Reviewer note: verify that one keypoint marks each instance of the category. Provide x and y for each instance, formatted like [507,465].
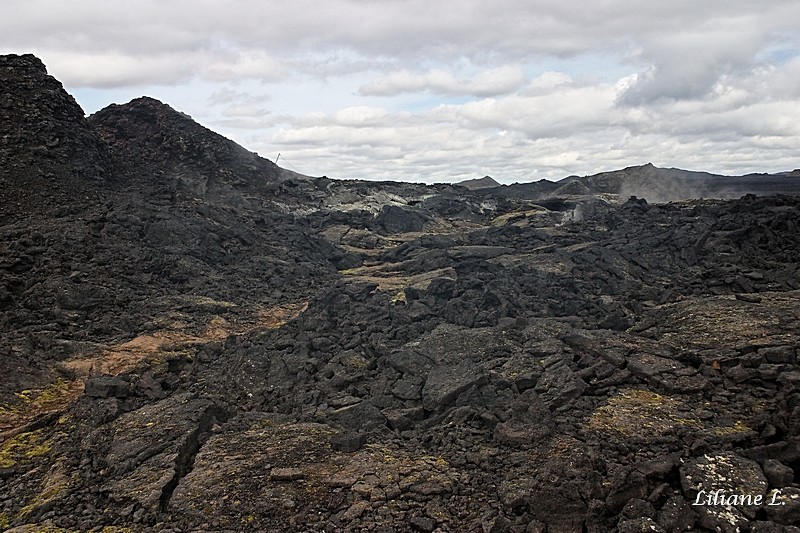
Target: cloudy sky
[445,90]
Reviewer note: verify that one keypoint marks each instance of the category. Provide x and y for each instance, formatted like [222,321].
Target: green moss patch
[640,413]
[23,447]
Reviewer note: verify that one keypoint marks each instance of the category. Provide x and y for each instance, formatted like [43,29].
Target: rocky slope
[155,143]
[41,168]
[196,340]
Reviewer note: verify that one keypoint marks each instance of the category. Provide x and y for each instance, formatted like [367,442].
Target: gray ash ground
[194,339]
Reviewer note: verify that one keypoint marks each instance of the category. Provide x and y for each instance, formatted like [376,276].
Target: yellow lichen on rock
[736,428]
[640,413]
[36,402]
[24,446]
[41,528]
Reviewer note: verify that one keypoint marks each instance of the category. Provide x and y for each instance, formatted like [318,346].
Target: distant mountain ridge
[668,184]
[486,182]
[654,184]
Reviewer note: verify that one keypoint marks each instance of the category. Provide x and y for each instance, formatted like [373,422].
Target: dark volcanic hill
[152,141]
[95,248]
[672,184]
[195,340]
[47,149]
[651,183]
[486,182]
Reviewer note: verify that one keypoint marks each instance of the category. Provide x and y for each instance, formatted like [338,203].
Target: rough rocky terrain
[194,339]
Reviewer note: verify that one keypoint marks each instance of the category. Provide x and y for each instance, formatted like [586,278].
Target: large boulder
[395,219]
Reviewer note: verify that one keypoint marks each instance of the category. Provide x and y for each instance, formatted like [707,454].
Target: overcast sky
[441,90]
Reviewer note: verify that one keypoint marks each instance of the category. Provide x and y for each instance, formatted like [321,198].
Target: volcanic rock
[48,150]
[195,339]
[486,182]
[107,387]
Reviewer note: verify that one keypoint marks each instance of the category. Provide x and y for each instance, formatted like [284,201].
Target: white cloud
[105,70]
[228,95]
[247,64]
[415,89]
[360,116]
[548,82]
[501,80]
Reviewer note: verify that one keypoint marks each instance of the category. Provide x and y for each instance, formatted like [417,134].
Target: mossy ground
[24,447]
[31,403]
[49,494]
[640,413]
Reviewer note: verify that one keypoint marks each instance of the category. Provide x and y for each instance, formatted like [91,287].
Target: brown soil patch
[123,357]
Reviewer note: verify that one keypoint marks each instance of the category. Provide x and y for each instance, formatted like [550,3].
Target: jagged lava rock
[47,148]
